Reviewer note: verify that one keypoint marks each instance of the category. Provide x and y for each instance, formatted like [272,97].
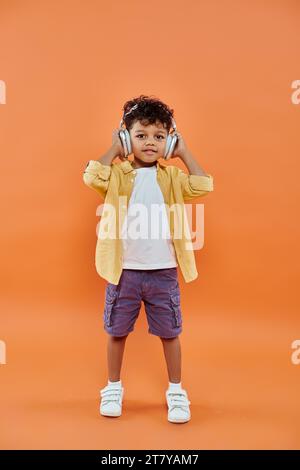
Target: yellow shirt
[114,183]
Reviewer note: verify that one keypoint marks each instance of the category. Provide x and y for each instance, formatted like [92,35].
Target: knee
[168,339]
[118,338]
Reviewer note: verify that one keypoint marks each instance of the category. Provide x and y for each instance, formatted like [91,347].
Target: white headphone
[126,142]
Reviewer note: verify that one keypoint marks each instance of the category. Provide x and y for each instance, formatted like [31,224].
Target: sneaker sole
[103,413]
[182,420]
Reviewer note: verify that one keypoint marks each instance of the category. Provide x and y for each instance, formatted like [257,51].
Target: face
[145,138]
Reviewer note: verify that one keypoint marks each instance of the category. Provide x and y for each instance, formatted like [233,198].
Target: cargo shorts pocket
[111,294]
[176,309]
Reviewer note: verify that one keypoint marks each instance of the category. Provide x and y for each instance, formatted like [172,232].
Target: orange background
[226,68]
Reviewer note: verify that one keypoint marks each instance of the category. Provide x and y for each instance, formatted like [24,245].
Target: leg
[172,351]
[177,398]
[115,350]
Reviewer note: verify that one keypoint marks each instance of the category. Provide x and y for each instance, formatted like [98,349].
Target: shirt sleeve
[193,186]
[96,176]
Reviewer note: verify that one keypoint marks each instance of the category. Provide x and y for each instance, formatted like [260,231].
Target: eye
[141,135]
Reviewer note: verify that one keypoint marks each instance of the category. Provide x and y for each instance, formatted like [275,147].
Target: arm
[98,172]
[197,183]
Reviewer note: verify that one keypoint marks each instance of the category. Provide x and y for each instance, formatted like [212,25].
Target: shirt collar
[127,166]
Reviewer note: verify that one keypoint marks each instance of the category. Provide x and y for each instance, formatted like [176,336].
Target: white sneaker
[178,406]
[111,400]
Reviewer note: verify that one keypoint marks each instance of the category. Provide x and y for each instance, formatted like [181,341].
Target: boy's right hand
[117,144]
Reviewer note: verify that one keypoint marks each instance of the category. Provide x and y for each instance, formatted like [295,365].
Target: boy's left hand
[180,147]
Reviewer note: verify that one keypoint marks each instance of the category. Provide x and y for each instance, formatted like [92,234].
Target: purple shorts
[159,290]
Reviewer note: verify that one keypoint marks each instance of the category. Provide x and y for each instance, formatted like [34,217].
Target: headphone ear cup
[125,139]
[170,145]
[128,142]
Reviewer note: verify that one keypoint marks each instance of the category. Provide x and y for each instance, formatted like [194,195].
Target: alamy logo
[2,352]
[2,92]
[295,97]
[295,357]
[152,223]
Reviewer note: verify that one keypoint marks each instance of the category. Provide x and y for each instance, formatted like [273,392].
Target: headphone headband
[135,106]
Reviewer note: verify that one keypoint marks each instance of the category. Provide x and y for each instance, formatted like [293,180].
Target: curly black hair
[149,109]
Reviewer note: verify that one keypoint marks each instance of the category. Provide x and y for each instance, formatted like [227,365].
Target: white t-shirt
[146,238]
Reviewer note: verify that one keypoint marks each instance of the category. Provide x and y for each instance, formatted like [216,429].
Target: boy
[144,268]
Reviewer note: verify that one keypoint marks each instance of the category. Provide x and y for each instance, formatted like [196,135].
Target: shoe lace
[178,400]
[109,394]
